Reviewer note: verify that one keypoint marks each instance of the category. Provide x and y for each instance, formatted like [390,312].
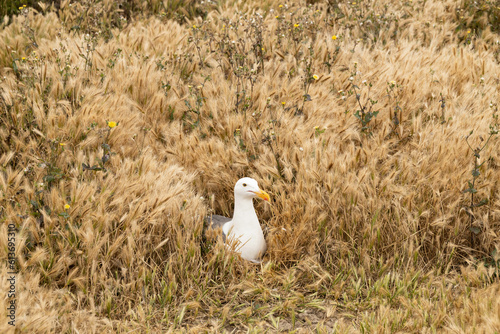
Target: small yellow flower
[277,16]
[62,144]
[316,127]
[24,6]
[112,124]
[468,31]
[315,77]
[262,49]
[334,37]
[393,82]
[23,58]
[20,8]
[194,26]
[67,206]
[283,103]
[280,6]
[296,25]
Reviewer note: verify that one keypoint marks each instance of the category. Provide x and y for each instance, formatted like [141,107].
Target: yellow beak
[262,194]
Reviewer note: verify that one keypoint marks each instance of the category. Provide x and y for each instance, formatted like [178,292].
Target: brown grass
[369,229]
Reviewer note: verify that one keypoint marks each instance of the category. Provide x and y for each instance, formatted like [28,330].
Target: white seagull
[244,230]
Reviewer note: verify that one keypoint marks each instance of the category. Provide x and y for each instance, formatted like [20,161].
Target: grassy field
[373,125]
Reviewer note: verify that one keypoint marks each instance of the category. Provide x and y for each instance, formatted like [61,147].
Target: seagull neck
[243,209]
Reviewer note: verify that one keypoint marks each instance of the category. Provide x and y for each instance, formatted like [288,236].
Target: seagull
[243,230]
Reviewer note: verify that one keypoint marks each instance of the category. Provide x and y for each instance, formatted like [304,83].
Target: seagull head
[248,188]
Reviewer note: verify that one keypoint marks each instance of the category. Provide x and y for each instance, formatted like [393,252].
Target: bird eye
[244,184]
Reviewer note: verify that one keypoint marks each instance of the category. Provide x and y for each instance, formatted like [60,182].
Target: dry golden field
[372,124]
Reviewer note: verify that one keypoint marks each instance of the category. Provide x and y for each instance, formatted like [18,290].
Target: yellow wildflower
[277,16]
[112,124]
[67,206]
[194,26]
[283,103]
[316,127]
[334,37]
[296,25]
[468,31]
[23,58]
[315,77]
[280,6]
[62,144]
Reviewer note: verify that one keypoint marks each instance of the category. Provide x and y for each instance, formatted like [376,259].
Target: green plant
[53,172]
[443,106]
[365,113]
[90,42]
[194,104]
[309,78]
[476,172]
[394,91]
[270,137]
[100,166]
[64,63]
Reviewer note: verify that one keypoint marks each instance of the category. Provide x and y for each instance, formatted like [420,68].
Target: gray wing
[215,222]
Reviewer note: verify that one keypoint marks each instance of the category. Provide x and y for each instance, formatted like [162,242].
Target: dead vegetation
[366,122]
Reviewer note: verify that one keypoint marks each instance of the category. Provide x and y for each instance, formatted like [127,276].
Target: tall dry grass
[369,228]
